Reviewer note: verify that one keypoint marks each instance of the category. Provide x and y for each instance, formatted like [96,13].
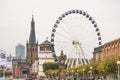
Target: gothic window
[33,49]
[36,49]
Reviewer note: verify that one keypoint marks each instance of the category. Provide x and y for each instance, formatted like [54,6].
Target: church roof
[46,42]
[32,38]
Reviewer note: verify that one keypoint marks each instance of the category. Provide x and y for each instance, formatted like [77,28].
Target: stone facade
[32,53]
[20,69]
[32,46]
[45,55]
[108,50]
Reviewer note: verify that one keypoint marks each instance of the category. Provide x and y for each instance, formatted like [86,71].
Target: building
[3,54]
[32,45]
[5,61]
[97,53]
[108,50]
[20,69]
[35,66]
[20,51]
[45,55]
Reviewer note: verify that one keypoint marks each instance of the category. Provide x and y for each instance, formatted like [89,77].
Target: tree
[8,73]
[101,67]
[1,73]
[50,66]
[111,66]
[34,73]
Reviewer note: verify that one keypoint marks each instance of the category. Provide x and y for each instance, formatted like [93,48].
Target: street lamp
[83,72]
[118,63]
[67,73]
[91,71]
[72,72]
[77,73]
[91,67]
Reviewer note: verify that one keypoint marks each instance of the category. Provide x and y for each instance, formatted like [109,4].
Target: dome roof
[46,42]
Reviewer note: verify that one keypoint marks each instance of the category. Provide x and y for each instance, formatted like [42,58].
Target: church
[37,54]
[32,46]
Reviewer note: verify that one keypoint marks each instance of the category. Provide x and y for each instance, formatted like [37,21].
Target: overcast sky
[15,18]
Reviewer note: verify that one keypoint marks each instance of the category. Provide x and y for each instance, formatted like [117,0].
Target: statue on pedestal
[61,60]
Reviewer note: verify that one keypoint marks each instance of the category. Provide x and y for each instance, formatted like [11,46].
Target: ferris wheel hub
[76,42]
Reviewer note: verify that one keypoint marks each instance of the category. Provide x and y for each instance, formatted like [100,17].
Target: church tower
[32,45]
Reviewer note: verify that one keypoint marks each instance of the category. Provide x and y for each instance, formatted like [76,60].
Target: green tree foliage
[50,66]
[1,73]
[34,73]
[52,72]
[99,68]
[111,65]
[7,73]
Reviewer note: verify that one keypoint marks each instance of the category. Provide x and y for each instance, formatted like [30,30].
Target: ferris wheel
[77,34]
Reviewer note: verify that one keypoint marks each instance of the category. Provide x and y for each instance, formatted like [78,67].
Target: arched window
[33,49]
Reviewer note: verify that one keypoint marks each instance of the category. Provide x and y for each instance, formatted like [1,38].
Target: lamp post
[72,72]
[118,63]
[77,73]
[91,72]
[83,72]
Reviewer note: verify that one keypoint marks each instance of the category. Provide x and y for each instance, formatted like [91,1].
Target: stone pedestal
[61,60]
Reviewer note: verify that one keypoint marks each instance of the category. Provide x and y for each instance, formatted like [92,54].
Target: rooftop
[46,42]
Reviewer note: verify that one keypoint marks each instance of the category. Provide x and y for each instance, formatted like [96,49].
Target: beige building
[45,55]
[108,50]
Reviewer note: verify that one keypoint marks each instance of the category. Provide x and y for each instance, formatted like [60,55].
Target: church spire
[32,38]
[32,17]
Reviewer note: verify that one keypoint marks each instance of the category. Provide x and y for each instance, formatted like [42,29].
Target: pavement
[9,79]
[18,79]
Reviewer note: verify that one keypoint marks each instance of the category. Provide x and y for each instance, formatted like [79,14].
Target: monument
[61,60]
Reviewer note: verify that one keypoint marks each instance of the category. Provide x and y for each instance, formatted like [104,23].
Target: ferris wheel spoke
[83,54]
[69,26]
[80,56]
[88,45]
[71,52]
[63,42]
[66,30]
[63,36]
[87,52]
